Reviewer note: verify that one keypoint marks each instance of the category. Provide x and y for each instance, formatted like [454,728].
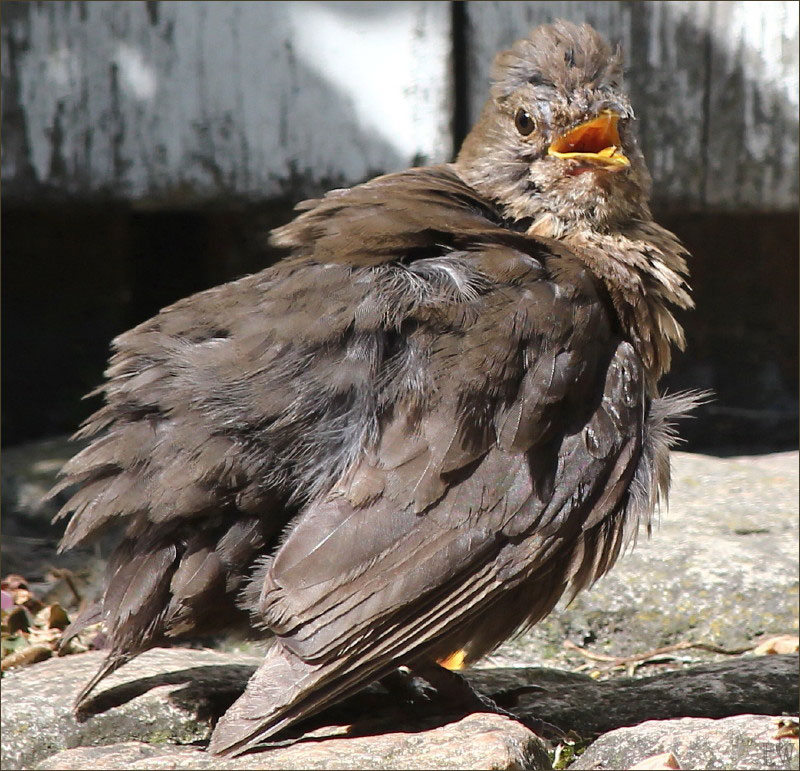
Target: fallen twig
[614,662]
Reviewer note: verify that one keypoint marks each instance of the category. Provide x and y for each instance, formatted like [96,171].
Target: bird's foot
[408,687]
[454,689]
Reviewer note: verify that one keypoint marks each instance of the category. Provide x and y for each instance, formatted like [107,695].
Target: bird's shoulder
[398,216]
[418,244]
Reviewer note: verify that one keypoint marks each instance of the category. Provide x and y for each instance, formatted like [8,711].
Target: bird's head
[554,141]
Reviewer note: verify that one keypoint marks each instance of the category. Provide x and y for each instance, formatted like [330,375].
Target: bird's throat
[643,268]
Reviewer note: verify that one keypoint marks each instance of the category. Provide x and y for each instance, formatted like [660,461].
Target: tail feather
[286,689]
[265,706]
[91,614]
[283,690]
[113,662]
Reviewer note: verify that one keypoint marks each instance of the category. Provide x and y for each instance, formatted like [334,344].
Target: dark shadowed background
[148,147]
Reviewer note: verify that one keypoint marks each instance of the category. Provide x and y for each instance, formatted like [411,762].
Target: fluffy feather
[436,416]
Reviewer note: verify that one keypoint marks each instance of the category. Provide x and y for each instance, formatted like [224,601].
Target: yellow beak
[596,141]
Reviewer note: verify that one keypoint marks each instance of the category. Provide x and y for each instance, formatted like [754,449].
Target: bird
[438,414]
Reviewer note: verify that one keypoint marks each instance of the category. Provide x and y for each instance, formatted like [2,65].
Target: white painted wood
[753,105]
[714,84]
[173,101]
[178,101]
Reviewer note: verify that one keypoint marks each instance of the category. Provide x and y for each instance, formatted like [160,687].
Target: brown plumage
[437,415]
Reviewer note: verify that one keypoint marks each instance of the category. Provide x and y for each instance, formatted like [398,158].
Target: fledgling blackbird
[410,437]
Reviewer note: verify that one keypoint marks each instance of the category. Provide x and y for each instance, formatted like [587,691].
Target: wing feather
[435,409]
[456,516]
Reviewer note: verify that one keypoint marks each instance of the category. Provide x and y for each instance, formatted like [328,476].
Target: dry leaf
[11,643]
[26,598]
[16,621]
[787,728]
[782,643]
[40,635]
[666,760]
[54,617]
[13,581]
[29,655]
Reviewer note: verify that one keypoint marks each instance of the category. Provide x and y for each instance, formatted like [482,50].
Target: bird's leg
[407,686]
[454,689]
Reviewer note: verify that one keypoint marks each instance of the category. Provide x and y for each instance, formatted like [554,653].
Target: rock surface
[157,698]
[764,685]
[721,569]
[474,742]
[169,697]
[740,742]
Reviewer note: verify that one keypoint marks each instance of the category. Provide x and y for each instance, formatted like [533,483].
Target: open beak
[596,141]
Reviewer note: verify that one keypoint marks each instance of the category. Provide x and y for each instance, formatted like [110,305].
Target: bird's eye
[524,122]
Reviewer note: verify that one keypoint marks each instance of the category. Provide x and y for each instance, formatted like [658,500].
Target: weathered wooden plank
[753,106]
[715,86]
[187,101]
